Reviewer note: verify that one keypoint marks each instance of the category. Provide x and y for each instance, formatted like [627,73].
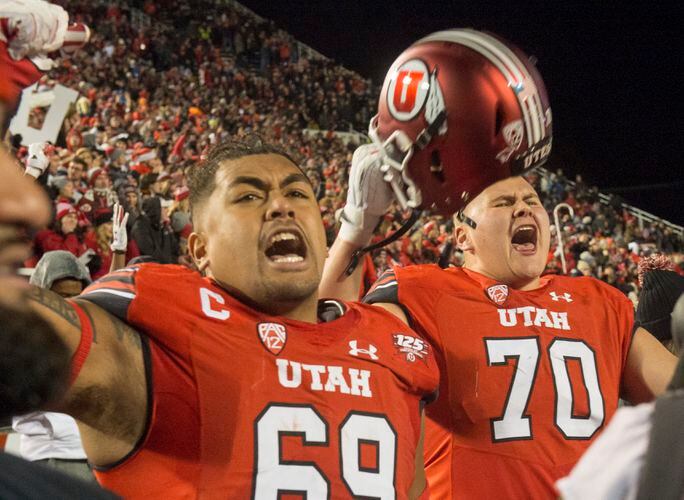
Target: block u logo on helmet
[408,89]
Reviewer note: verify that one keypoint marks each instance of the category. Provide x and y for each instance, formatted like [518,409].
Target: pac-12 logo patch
[273,336]
[411,347]
[498,294]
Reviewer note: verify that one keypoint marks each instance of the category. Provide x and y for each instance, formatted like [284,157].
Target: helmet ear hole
[436,166]
[498,119]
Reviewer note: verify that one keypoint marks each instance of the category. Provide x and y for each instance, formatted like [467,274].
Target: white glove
[38,28]
[36,161]
[368,197]
[119,233]
[86,256]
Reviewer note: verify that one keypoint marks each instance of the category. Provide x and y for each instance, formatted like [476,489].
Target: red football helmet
[458,111]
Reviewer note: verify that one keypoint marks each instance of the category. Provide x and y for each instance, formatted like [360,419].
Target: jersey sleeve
[385,289]
[416,290]
[114,292]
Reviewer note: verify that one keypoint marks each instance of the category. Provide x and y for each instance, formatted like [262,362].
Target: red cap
[181,193]
[141,168]
[163,176]
[93,174]
[64,209]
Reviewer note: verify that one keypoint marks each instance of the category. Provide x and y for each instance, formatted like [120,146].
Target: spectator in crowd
[65,234]
[75,173]
[64,189]
[100,240]
[130,200]
[62,273]
[153,235]
[660,289]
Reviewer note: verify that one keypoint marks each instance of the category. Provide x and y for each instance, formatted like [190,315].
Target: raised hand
[119,233]
[37,161]
[368,197]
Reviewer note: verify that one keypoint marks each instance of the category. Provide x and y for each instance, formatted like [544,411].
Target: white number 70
[515,423]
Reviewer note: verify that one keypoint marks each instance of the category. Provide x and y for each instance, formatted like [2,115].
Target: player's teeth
[283,237]
[287,258]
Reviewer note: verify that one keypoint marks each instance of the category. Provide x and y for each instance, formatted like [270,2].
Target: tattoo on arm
[55,303]
[125,332]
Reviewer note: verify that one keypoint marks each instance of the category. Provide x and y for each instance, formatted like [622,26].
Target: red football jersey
[247,405]
[528,377]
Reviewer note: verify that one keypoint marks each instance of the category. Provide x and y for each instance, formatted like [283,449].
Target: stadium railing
[642,216]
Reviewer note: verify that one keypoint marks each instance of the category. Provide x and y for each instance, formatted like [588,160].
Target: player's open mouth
[524,239]
[286,246]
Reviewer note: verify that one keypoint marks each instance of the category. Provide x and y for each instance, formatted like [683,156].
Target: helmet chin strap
[465,219]
[356,256]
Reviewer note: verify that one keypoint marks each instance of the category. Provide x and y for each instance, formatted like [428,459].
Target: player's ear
[462,239]
[197,247]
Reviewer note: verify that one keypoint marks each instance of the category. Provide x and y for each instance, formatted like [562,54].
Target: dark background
[613,72]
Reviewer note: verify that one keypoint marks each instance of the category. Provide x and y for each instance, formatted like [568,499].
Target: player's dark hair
[34,363]
[202,176]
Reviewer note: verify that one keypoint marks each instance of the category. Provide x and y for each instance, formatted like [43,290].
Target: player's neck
[526,284]
[515,282]
[306,310]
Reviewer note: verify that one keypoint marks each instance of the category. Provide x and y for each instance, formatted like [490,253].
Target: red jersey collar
[485,281]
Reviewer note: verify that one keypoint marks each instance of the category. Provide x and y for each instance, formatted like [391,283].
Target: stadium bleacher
[158,86]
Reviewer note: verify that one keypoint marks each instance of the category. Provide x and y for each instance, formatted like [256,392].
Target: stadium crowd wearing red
[154,98]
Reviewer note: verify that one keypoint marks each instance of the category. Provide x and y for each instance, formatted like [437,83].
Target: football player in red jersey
[531,367]
[238,382]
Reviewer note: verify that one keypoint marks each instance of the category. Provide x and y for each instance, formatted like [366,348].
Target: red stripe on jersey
[84,345]
[115,285]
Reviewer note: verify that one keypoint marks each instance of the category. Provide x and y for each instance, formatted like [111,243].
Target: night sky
[611,72]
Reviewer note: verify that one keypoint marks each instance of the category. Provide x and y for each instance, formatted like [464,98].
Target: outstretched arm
[648,370]
[109,396]
[335,282]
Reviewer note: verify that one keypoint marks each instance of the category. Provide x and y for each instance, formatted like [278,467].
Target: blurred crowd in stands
[155,95]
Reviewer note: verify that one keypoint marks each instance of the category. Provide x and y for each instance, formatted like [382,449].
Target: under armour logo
[556,298]
[370,352]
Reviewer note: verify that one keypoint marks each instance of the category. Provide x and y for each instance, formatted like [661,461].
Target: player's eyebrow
[292,178]
[504,197]
[266,186]
[252,181]
[511,198]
